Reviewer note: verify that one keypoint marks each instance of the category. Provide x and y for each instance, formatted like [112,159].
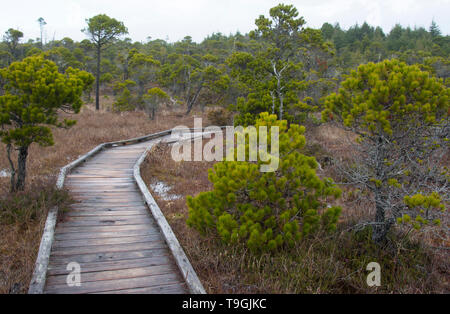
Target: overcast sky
[174,19]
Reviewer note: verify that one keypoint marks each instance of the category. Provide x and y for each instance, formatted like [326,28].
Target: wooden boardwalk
[110,232]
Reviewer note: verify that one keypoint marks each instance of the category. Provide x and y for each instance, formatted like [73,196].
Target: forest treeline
[283,71]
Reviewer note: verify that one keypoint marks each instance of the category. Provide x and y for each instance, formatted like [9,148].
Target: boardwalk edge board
[187,271]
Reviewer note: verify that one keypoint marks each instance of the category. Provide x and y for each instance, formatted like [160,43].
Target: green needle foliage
[102,31]
[124,99]
[400,115]
[276,76]
[34,92]
[152,99]
[266,210]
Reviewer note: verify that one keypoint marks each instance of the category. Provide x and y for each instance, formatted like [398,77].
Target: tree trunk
[191,103]
[22,168]
[97,83]
[13,169]
[273,101]
[280,95]
[379,230]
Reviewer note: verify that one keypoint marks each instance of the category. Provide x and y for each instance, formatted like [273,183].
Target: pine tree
[34,92]
[266,210]
[152,100]
[434,30]
[400,116]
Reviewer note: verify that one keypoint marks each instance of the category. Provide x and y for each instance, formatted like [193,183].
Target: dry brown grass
[22,220]
[20,234]
[92,129]
[321,264]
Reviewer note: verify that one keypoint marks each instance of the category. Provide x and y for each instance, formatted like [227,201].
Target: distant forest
[222,69]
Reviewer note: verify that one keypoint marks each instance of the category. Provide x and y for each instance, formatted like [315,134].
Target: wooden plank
[91,176]
[166,289]
[113,195]
[115,274]
[106,241]
[125,221]
[118,284]
[105,213]
[111,161]
[40,272]
[108,248]
[107,206]
[103,172]
[101,235]
[101,218]
[103,190]
[96,180]
[103,210]
[109,256]
[109,196]
[61,269]
[110,219]
[111,200]
[100,185]
[63,229]
[106,167]
[121,155]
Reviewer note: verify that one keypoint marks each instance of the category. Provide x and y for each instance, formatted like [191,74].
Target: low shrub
[267,210]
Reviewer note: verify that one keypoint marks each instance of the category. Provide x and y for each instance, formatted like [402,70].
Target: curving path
[110,232]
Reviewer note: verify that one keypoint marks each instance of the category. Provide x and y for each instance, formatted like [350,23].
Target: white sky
[174,19]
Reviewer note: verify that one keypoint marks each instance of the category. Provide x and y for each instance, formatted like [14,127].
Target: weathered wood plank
[106,241]
[100,185]
[92,176]
[118,284]
[103,210]
[112,248]
[104,206]
[108,195]
[68,229]
[83,193]
[109,201]
[166,289]
[110,256]
[61,269]
[101,235]
[40,272]
[102,275]
[101,218]
[104,213]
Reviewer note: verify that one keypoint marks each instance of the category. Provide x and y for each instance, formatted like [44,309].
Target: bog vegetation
[384,95]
